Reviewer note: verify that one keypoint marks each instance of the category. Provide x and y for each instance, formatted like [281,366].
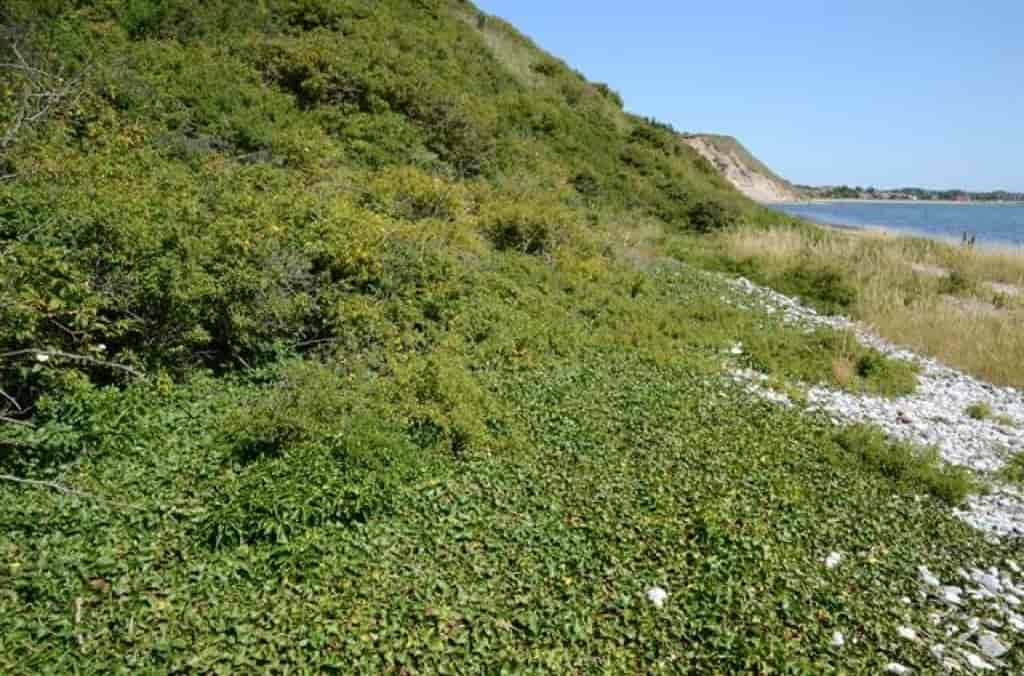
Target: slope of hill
[744,171]
[351,336]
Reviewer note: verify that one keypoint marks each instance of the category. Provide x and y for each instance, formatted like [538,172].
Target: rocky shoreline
[934,415]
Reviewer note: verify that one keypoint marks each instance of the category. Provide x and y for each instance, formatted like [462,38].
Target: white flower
[657,596]
[833,560]
[42,358]
[837,640]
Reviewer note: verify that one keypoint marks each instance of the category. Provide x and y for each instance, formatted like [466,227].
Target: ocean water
[996,223]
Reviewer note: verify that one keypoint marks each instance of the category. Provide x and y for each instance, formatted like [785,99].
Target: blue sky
[870,93]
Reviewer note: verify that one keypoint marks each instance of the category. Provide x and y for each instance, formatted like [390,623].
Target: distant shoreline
[854,200]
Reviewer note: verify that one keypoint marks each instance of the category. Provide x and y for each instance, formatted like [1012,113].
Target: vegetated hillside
[744,171]
[347,334]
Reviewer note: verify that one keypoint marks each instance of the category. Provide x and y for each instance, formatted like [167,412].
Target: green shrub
[824,288]
[882,375]
[341,480]
[708,216]
[912,467]
[408,194]
[527,229]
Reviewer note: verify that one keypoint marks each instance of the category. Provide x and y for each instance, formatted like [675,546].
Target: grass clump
[823,287]
[978,411]
[1013,470]
[835,358]
[909,466]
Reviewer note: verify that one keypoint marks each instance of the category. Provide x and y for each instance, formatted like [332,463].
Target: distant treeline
[857,192]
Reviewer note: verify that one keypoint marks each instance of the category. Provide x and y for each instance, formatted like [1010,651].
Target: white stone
[976,662]
[928,577]
[42,358]
[833,560]
[991,646]
[838,641]
[896,668]
[657,596]
[952,595]
[990,582]
[907,633]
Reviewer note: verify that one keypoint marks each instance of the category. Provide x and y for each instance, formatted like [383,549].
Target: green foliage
[622,472]
[410,195]
[916,468]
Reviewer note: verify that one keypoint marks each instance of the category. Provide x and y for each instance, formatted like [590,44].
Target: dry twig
[73,357]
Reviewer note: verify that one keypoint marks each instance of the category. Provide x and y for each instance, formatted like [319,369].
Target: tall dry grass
[962,305]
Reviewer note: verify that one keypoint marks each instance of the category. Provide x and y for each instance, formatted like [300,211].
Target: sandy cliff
[749,175]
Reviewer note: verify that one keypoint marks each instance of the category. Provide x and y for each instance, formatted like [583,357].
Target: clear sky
[894,93]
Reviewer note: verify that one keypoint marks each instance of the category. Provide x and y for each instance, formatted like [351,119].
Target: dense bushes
[241,182]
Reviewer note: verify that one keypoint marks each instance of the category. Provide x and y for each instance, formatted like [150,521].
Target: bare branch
[14,402]
[15,421]
[73,357]
[70,332]
[319,341]
[42,91]
[60,488]
[64,490]
[24,67]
